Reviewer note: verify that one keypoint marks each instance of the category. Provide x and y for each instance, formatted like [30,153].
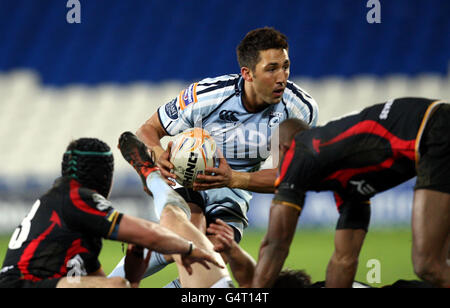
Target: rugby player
[173,212]
[357,157]
[59,241]
[242,265]
[240,112]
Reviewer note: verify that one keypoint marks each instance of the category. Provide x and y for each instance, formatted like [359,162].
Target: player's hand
[201,256]
[223,236]
[165,166]
[222,177]
[135,263]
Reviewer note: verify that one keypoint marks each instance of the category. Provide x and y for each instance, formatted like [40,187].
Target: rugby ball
[192,151]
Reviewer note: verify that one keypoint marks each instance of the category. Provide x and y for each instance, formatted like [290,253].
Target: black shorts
[433,166]
[10,281]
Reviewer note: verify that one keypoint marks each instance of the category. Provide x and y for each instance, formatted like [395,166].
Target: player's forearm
[271,259]
[150,133]
[262,181]
[152,236]
[242,266]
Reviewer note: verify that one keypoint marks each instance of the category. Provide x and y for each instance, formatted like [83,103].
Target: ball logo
[192,152]
[190,169]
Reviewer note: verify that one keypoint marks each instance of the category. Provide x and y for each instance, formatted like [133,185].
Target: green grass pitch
[310,250]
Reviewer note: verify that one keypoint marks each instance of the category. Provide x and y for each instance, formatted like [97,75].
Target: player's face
[271,75]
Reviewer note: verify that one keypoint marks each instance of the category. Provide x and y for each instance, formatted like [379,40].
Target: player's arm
[242,265]
[150,133]
[158,238]
[275,246]
[262,181]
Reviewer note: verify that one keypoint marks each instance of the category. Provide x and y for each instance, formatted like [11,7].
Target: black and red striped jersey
[62,231]
[358,155]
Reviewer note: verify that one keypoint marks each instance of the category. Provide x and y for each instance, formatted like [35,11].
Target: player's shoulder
[88,200]
[300,104]
[208,92]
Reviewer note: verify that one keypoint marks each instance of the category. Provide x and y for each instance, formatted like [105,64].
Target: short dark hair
[289,278]
[90,162]
[256,41]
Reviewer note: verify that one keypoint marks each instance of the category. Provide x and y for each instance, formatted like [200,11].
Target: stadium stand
[61,81]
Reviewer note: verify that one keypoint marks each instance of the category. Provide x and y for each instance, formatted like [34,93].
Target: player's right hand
[199,255]
[164,164]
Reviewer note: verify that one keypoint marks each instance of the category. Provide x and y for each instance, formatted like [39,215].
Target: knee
[345,261]
[173,213]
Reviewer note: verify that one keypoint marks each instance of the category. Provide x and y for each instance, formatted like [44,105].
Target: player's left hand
[222,177]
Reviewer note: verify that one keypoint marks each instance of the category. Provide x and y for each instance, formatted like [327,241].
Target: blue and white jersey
[215,104]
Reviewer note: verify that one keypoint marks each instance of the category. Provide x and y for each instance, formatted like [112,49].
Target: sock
[223,283]
[163,195]
[174,285]
[157,262]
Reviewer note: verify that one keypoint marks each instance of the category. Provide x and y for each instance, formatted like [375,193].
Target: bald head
[288,129]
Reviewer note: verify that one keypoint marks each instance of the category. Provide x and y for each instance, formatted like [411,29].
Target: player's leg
[157,262]
[175,219]
[171,209]
[351,230]
[431,207]
[343,264]
[92,282]
[196,205]
[431,228]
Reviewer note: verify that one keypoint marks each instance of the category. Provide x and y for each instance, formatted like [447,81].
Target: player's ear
[246,74]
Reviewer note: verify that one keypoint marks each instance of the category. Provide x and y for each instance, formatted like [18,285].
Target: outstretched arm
[262,181]
[158,238]
[275,246]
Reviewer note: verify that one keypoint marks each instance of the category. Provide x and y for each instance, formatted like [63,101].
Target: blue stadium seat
[187,40]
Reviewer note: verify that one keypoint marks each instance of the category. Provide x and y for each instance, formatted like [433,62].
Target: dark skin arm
[275,246]
[260,181]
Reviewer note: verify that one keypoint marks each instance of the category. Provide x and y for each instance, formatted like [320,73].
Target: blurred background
[61,81]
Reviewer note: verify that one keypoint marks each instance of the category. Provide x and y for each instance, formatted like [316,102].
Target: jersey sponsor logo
[229,116]
[188,96]
[385,112]
[101,203]
[363,187]
[172,110]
